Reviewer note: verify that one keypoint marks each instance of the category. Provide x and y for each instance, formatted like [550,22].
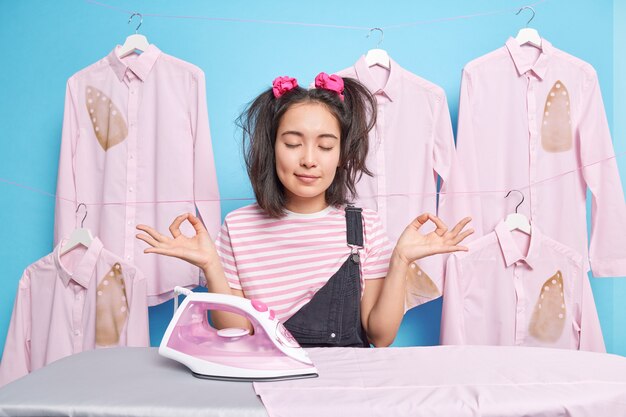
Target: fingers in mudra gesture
[198,249]
[414,245]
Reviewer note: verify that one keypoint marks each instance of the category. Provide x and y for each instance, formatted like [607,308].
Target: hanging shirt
[136,149]
[284,262]
[70,303]
[411,144]
[513,290]
[529,119]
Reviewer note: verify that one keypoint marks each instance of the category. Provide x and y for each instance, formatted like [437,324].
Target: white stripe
[315,285]
[239,228]
[273,268]
[291,253]
[293,237]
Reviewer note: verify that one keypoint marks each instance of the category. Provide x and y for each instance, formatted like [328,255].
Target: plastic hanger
[134,42]
[528,35]
[517,221]
[377,56]
[80,236]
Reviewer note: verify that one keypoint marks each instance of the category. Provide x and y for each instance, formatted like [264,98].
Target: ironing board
[434,381]
[133,382]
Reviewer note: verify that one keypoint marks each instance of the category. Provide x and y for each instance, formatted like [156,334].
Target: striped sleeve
[377,247]
[227,257]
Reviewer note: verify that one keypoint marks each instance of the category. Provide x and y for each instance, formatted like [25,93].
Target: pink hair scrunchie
[281,85]
[330,82]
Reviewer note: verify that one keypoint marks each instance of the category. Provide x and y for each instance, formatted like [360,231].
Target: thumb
[419,221]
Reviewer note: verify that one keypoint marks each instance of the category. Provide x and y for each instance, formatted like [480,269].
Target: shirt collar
[141,66]
[84,268]
[523,63]
[393,86]
[510,250]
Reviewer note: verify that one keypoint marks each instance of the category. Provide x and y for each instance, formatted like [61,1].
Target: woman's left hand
[413,245]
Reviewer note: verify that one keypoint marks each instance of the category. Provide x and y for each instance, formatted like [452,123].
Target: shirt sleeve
[458,197]
[377,247]
[227,257]
[16,357]
[205,187]
[590,332]
[137,331]
[452,323]
[65,205]
[608,212]
[444,153]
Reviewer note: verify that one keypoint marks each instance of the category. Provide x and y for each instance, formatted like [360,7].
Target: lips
[307,179]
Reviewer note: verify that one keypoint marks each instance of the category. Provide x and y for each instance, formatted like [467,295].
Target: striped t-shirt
[284,262]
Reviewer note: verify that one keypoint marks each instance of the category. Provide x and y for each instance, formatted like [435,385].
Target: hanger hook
[130,19]
[520,203]
[382,35]
[85,216]
[528,8]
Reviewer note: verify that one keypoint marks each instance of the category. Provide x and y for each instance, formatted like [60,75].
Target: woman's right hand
[198,250]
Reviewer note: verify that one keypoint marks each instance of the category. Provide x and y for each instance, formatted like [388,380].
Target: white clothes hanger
[517,221]
[134,42]
[80,236]
[377,56]
[528,35]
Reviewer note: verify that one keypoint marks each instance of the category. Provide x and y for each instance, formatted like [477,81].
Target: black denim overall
[333,316]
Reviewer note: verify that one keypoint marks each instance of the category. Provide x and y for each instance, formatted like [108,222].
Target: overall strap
[354,230]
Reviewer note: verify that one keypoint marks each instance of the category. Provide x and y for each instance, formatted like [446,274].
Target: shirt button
[131,156]
[76,332]
[129,257]
[130,189]
[332,335]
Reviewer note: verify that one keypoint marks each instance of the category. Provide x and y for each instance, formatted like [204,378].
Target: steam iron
[269,354]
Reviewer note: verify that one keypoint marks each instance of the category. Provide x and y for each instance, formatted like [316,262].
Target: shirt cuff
[604,268]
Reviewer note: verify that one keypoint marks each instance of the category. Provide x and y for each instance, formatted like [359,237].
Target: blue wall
[43,43]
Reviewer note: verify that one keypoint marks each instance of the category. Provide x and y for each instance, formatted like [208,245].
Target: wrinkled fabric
[486,381]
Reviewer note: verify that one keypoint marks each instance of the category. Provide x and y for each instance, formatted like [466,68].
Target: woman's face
[307,155]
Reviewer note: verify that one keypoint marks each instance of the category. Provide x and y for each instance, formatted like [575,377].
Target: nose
[308,159]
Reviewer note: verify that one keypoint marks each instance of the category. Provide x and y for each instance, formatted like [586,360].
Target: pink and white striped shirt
[284,262]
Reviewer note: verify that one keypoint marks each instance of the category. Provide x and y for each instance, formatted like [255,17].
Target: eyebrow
[296,133]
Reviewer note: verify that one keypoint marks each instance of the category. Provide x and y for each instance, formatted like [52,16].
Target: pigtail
[359,118]
[258,134]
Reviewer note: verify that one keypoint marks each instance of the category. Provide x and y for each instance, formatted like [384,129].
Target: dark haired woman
[316,262]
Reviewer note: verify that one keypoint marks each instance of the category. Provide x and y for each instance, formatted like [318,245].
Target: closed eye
[325,149]
[292,145]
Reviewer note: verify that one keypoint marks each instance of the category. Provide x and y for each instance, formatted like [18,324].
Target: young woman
[317,262]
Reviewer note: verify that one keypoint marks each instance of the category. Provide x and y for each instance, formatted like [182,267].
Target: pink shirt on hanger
[136,132]
[411,144]
[515,290]
[72,303]
[530,117]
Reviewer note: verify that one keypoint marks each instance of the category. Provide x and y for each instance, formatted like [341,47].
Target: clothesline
[484,192]
[323,25]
